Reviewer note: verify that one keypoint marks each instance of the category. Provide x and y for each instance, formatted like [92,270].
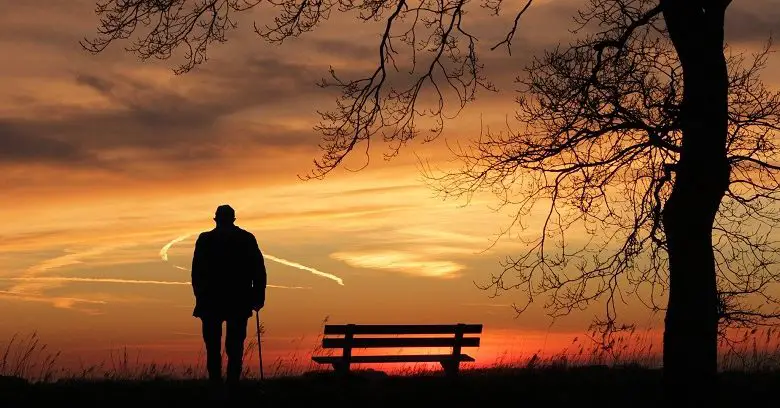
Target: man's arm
[199,267]
[259,276]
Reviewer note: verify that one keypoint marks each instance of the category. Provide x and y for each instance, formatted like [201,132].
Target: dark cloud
[192,126]
[200,125]
[752,20]
[90,139]
[168,124]
[19,146]
[100,84]
[346,48]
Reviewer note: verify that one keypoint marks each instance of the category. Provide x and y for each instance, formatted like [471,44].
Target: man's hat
[225,212]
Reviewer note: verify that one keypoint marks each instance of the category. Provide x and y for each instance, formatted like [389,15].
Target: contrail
[305,268]
[114,280]
[166,247]
[63,301]
[69,259]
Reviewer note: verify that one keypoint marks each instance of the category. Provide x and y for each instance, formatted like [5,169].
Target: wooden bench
[351,336]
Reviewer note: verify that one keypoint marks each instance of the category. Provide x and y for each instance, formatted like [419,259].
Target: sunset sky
[110,167]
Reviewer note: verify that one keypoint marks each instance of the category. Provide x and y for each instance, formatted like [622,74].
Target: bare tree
[638,139]
[633,129]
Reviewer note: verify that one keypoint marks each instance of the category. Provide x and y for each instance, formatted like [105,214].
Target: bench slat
[397,342]
[409,358]
[332,329]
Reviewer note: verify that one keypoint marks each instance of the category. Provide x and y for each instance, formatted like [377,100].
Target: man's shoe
[234,390]
[216,389]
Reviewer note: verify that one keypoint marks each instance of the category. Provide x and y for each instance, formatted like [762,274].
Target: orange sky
[105,160]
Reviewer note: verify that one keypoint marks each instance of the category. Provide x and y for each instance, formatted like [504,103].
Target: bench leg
[451,368]
[341,368]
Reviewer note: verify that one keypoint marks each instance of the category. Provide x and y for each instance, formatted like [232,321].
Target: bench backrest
[349,331]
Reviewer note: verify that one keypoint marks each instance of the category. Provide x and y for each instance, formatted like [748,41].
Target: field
[30,378]
[538,387]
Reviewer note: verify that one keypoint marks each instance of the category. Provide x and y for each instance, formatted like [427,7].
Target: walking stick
[259,347]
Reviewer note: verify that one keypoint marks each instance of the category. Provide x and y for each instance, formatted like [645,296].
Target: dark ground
[546,387]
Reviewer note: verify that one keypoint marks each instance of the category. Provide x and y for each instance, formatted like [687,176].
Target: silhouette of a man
[229,281]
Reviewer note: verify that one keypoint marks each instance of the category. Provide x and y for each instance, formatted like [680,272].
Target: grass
[624,373]
[539,386]
[25,357]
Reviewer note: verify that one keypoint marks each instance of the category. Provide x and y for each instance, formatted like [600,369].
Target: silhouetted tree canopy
[599,141]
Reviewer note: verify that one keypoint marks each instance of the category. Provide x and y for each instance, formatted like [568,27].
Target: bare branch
[428,38]
[597,157]
[511,34]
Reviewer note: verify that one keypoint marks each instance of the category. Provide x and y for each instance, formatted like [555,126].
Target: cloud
[405,262]
[432,235]
[752,21]
[61,302]
[29,287]
[21,146]
[248,97]
[167,247]
[68,279]
[345,47]
[69,259]
[83,302]
[499,305]
[165,120]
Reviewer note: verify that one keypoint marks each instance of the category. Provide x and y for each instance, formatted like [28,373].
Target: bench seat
[398,358]
[351,337]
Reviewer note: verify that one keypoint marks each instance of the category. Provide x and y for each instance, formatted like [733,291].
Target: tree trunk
[701,179]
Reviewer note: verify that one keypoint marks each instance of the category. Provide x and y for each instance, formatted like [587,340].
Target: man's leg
[234,346]
[212,336]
